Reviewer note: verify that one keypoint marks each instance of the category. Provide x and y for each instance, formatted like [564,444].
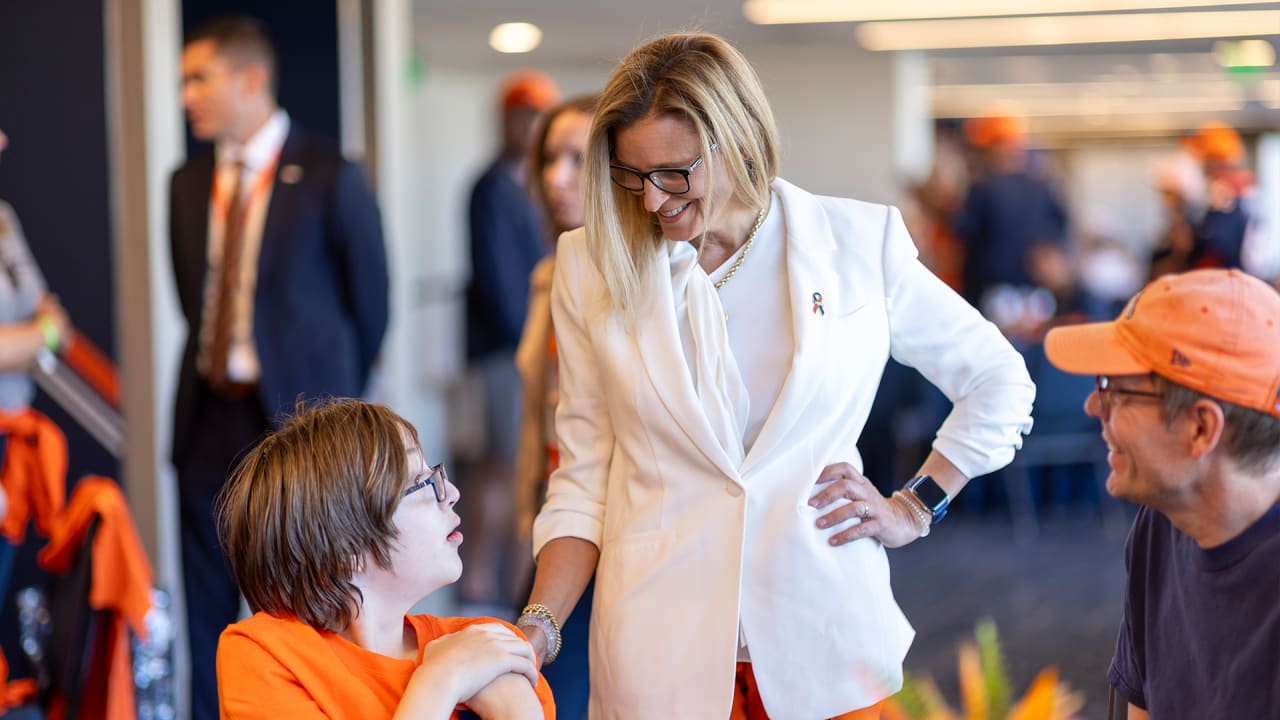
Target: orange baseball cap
[1216,143]
[1214,331]
[983,132]
[530,89]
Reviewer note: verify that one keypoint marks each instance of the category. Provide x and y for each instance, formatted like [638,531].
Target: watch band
[930,495]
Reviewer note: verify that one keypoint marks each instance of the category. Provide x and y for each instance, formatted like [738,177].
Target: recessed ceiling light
[515,37]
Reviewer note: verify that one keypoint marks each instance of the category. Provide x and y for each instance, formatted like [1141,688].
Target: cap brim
[1091,349]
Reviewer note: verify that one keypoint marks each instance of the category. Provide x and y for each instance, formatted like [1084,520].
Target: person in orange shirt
[335,527]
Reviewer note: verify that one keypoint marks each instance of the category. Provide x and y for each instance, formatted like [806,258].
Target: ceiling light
[1062,29]
[770,12]
[515,37]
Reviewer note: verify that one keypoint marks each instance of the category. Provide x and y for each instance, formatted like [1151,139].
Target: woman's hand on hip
[881,517]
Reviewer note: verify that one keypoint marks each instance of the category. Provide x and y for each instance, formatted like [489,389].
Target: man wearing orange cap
[1007,212]
[1188,394]
[1220,235]
[506,242]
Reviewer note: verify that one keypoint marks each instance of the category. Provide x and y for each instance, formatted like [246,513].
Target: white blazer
[690,545]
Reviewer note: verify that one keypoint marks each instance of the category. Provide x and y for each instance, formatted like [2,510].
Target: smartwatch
[931,496]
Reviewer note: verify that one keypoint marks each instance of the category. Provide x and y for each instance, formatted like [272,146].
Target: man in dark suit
[281,273]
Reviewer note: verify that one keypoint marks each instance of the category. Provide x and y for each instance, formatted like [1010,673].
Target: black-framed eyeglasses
[672,181]
[1107,391]
[437,478]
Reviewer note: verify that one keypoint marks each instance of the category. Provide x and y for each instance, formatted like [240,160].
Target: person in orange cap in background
[506,242]
[1188,394]
[1220,235]
[1007,212]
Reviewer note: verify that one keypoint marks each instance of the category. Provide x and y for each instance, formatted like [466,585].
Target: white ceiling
[1119,88]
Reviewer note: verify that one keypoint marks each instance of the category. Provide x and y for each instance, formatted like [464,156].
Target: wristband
[49,329]
[540,616]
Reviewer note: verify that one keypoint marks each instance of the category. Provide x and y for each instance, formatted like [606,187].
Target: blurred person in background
[507,241]
[336,526]
[1188,396]
[556,171]
[1007,212]
[721,334]
[281,275]
[1221,232]
[1180,182]
[31,321]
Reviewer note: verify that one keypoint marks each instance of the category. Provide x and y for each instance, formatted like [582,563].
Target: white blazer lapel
[817,297]
[659,347]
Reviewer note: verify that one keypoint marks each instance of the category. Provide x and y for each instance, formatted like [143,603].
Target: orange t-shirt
[272,668]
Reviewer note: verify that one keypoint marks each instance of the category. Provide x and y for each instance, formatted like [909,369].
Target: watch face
[929,492]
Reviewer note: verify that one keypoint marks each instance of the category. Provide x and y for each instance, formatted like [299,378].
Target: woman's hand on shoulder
[883,518]
[465,662]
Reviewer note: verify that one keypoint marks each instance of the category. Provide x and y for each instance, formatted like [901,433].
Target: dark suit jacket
[321,303]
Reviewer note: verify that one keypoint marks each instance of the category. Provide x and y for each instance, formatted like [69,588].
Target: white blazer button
[733,490]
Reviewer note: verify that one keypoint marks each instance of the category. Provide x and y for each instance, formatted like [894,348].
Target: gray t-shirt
[1201,632]
[21,286]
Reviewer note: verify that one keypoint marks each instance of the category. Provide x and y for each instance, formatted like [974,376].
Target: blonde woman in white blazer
[721,336]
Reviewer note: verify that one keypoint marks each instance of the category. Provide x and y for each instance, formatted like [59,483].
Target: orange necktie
[228,283]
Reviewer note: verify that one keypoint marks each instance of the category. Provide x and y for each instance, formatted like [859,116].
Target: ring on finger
[865,511]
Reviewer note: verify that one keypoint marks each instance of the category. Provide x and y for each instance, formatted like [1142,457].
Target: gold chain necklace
[746,248]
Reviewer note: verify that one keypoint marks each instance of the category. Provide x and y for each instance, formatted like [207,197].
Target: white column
[143,40]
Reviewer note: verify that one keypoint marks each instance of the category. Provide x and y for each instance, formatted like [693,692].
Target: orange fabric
[121,584]
[121,572]
[35,472]
[94,367]
[13,694]
[273,668]
[748,706]
[1214,331]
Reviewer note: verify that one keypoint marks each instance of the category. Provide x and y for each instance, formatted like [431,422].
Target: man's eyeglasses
[673,181]
[1107,392]
[437,478]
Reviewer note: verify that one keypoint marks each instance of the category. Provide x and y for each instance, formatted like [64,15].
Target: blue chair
[1063,435]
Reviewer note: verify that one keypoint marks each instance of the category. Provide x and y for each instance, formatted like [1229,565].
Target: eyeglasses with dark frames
[672,180]
[1107,391]
[437,478]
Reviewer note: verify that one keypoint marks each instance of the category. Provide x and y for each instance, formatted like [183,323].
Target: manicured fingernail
[823,522]
[813,502]
[834,541]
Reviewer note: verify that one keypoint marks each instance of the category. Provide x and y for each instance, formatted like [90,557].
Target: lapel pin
[817,304]
[291,174]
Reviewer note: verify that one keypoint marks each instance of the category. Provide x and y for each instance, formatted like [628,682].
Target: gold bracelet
[539,610]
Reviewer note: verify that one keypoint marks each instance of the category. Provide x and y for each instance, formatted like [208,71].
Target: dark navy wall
[55,175]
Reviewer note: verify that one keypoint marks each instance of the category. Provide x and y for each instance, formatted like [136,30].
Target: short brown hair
[1251,438]
[312,502]
[239,38]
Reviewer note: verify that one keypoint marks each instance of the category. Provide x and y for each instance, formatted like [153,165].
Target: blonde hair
[703,80]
